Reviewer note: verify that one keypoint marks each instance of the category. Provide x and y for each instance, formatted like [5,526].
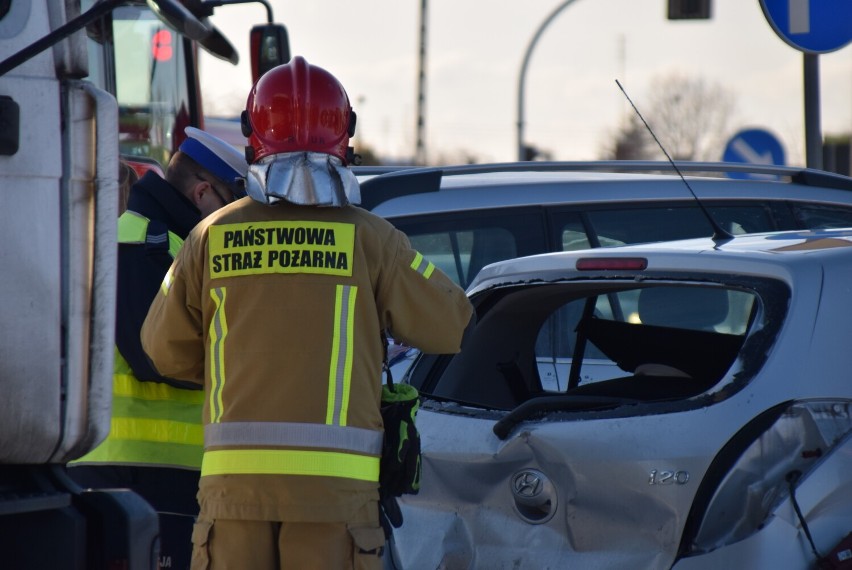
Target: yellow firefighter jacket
[278,311]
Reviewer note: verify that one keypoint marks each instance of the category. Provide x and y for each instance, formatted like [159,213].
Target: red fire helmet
[298,107]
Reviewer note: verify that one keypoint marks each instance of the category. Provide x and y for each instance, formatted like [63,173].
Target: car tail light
[598,263]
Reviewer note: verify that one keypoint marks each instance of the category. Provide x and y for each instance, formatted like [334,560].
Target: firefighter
[277,305]
[155,442]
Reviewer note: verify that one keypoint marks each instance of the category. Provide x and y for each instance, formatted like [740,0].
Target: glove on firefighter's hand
[389,515]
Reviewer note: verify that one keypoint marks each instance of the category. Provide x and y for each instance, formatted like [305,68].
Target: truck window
[150,69]
[151,84]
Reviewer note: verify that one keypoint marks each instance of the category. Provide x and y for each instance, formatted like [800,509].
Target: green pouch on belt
[400,465]
[400,469]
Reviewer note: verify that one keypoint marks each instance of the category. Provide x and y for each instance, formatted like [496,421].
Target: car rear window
[629,328]
[638,342]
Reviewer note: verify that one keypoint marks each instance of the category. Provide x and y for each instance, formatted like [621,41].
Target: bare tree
[689,115]
[631,141]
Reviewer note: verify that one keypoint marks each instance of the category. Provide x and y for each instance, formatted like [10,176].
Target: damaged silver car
[681,405]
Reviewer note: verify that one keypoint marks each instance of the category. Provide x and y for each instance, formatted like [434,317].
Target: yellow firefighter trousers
[271,545]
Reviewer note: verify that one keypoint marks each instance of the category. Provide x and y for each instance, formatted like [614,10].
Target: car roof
[413,191]
[769,254]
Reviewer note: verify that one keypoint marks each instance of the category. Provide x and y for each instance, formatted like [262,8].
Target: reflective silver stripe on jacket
[218,332]
[340,369]
[291,434]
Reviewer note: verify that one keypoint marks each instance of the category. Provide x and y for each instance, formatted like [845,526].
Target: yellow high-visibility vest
[153,424]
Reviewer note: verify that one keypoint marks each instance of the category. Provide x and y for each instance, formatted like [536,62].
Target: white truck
[59,159]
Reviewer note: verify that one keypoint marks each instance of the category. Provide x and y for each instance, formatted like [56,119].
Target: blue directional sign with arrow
[813,26]
[753,146]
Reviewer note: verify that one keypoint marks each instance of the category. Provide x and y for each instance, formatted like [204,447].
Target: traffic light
[689,9]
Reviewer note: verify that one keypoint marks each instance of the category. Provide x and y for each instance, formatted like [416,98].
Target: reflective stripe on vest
[152,424]
[356,450]
[133,229]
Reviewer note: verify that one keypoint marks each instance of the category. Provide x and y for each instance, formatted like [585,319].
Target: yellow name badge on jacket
[258,248]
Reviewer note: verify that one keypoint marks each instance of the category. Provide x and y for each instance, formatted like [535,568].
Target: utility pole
[420,151]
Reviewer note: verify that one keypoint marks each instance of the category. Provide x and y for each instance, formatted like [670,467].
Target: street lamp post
[523,74]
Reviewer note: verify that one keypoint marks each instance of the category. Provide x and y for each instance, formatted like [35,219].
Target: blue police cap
[218,157]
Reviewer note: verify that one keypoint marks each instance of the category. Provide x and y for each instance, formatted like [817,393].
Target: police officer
[277,304]
[155,442]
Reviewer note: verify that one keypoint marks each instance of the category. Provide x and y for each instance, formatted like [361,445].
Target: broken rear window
[624,342]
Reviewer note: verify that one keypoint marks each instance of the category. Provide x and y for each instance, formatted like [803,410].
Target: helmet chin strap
[351,157]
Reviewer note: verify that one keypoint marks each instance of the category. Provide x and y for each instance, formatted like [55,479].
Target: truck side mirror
[178,17]
[216,44]
[270,47]
[169,11]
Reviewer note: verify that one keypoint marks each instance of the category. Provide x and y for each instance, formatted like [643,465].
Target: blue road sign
[753,146]
[813,26]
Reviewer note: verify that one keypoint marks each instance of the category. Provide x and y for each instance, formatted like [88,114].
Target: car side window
[822,217]
[461,254]
[461,245]
[619,226]
[745,219]
[573,234]
[642,225]
[639,225]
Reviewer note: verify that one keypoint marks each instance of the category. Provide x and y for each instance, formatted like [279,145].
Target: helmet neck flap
[303,178]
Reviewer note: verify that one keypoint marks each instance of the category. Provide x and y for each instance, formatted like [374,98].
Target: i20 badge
[665,477]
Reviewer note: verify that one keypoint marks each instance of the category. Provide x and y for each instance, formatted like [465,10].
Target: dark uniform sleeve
[420,305]
[172,334]
[139,278]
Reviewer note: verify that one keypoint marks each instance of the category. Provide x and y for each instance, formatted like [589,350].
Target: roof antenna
[720,234]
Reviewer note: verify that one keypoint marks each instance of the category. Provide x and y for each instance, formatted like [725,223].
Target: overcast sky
[475,50]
